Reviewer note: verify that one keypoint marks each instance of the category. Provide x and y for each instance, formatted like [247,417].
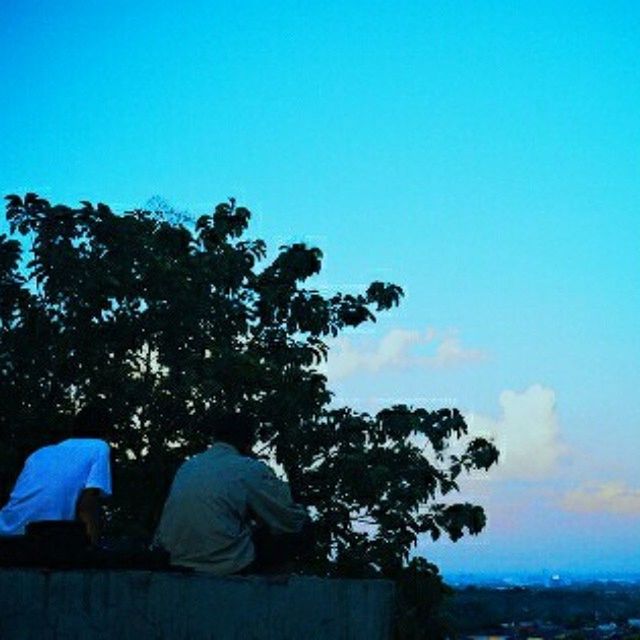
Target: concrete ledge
[136,605]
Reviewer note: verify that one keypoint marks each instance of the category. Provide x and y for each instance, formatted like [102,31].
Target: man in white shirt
[65,481]
[214,500]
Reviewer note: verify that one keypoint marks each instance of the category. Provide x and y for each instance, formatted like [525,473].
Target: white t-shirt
[51,481]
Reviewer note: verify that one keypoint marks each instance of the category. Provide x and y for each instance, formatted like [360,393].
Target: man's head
[92,421]
[235,429]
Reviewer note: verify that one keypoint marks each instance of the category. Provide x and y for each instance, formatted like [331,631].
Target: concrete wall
[136,605]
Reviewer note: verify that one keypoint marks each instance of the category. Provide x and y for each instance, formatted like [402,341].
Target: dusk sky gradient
[485,156]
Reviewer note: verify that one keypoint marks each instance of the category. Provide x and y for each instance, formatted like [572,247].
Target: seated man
[207,519]
[64,481]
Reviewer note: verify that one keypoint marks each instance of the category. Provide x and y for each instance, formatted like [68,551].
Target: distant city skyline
[486,157]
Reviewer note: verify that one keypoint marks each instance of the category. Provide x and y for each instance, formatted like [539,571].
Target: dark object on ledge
[52,543]
[65,545]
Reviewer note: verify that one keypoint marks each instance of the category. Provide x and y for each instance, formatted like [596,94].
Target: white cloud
[606,497]
[396,350]
[527,434]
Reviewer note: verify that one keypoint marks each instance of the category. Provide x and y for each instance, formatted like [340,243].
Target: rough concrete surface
[141,605]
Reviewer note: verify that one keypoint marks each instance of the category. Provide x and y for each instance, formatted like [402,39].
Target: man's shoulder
[86,444]
[228,458]
[257,469]
[245,463]
[80,449]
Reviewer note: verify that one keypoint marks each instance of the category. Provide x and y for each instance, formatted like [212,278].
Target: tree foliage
[171,322]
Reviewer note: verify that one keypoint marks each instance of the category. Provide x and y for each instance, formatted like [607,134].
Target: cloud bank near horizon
[612,497]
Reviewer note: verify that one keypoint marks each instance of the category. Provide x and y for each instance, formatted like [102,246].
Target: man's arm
[88,511]
[269,499]
[97,486]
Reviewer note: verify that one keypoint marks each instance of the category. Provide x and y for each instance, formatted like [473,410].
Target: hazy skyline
[486,157]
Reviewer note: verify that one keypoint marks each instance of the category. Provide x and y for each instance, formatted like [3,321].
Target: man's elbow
[297,522]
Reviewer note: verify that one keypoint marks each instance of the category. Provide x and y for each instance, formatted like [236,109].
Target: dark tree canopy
[174,324]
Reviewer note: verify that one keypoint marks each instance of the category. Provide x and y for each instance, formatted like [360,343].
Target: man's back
[206,519]
[52,480]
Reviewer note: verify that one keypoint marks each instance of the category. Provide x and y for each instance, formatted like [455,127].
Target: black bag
[51,543]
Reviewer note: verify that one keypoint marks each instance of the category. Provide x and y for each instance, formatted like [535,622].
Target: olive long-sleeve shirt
[205,523]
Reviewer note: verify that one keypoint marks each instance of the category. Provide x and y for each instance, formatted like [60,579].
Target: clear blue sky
[486,156]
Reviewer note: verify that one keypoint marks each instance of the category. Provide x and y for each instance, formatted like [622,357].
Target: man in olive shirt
[216,495]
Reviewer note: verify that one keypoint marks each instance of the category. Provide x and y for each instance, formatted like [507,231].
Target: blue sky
[486,156]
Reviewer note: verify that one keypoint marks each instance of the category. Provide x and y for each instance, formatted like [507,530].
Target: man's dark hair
[234,429]
[92,421]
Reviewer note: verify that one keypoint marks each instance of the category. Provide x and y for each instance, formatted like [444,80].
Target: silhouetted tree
[171,323]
